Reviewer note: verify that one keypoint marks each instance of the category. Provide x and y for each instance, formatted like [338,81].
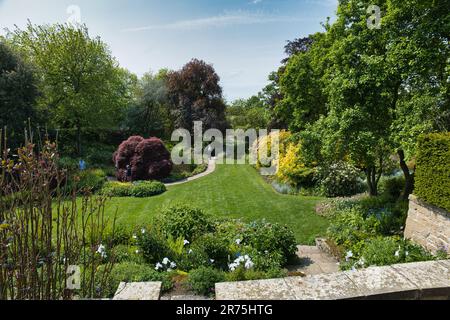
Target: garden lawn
[232,191]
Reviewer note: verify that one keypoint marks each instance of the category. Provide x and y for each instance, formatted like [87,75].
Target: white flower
[137,251]
[348,256]
[407,253]
[397,253]
[212,260]
[186,242]
[169,270]
[134,237]
[238,241]
[102,251]
[190,251]
[143,231]
[249,264]
[166,261]
[173,265]
[158,266]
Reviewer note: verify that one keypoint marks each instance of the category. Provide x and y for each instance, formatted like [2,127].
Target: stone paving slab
[430,277]
[274,289]
[336,286]
[375,282]
[143,291]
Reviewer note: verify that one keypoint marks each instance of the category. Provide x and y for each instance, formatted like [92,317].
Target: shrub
[184,221]
[384,251]
[124,253]
[340,180]
[89,180]
[215,249]
[149,159]
[139,189]
[132,272]
[202,280]
[392,187]
[193,259]
[120,236]
[68,164]
[271,237]
[153,246]
[116,189]
[432,175]
[349,227]
[143,189]
[292,170]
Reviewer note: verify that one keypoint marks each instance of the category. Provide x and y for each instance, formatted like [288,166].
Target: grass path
[234,191]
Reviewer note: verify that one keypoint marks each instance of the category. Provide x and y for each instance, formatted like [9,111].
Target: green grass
[232,191]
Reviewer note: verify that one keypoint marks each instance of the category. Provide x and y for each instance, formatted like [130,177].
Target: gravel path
[211,168]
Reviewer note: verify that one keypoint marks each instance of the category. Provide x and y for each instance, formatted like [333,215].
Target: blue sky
[243,39]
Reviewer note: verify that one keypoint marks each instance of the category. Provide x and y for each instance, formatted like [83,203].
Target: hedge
[433,170]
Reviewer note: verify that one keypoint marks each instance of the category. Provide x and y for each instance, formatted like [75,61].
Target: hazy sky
[243,39]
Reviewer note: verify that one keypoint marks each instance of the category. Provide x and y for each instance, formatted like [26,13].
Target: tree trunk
[79,140]
[409,177]
[371,181]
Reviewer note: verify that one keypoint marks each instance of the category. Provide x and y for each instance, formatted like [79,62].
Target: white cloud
[228,19]
[256,1]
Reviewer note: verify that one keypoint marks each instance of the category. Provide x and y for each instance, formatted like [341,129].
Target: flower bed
[368,231]
[195,251]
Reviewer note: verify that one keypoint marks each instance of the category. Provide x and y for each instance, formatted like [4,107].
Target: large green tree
[18,94]
[83,88]
[248,114]
[149,114]
[373,90]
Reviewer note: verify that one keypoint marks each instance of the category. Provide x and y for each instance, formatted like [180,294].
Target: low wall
[428,226]
[413,281]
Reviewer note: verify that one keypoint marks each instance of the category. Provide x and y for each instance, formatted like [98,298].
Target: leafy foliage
[432,176]
[148,159]
[203,280]
[184,221]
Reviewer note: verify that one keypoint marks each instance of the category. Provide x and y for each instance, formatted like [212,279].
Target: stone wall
[428,225]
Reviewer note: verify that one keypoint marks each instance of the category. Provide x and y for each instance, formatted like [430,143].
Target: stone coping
[143,291]
[422,280]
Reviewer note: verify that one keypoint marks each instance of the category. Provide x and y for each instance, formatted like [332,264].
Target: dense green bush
[181,221]
[433,170]
[340,180]
[392,187]
[117,189]
[139,189]
[120,236]
[91,180]
[202,280]
[143,189]
[215,248]
[132,272]
[153,246]
[271,238]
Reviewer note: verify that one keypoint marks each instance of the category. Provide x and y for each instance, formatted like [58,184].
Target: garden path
[211,168]
[314,261]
